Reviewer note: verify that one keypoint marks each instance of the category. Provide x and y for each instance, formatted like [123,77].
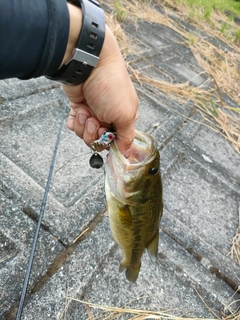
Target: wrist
[85,56]
[75,15]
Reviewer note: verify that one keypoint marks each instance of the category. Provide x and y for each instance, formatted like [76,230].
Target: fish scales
[134,201]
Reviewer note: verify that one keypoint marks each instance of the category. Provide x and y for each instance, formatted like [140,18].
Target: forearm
[33,37]
[75,15]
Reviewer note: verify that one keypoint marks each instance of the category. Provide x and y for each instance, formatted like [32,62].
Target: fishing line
[30,261]
[77,156]
[96,160]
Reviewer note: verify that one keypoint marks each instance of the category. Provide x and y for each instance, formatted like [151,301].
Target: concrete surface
[201,176]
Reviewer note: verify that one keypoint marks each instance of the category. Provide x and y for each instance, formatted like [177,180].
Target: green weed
[213,109]
[120,14]
[237,35]
[208,5]
[224,27]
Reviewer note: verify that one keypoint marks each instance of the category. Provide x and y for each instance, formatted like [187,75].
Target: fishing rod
[30,261]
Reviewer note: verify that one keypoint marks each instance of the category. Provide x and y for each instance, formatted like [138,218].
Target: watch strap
[89,45]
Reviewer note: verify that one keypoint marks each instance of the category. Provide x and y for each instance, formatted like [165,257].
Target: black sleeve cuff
[34,37]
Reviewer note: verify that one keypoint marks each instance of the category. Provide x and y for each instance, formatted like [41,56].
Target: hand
[107,99]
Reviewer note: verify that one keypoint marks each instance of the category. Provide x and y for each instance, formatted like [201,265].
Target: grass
[210,15]
[206,7]
[119,12]
[235,250]
[100,312]
[132,314]
[220,65]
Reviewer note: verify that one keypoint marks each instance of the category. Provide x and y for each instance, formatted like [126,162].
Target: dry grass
[110,313]
[119,34]
[221,66]
[235,250]
[133,314]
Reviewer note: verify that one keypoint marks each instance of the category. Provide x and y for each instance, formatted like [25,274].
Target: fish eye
[152,171]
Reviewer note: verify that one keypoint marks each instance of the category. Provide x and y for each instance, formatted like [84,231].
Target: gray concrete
[201,199]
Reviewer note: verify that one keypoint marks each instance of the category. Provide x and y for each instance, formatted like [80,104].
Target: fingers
[82,121]
[125,139]
[77,118]
[126,132]
[71,120]
[89,128]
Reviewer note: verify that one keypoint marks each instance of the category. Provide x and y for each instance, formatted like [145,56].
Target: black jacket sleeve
[33,37]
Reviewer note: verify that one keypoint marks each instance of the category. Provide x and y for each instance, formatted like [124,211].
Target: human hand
[107,99]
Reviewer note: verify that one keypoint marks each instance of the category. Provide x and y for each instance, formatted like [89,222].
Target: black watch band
[89,45]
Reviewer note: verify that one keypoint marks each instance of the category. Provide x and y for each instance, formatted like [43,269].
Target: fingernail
[82,118]
[91,127]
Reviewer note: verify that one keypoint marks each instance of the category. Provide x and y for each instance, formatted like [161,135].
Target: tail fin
[132,273]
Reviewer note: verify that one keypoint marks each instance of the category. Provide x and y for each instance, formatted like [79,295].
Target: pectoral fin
[152,248]
[125,215]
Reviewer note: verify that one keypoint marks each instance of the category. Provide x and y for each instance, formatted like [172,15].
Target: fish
[133,188]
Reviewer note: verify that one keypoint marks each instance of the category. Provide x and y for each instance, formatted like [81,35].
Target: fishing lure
[96,161]
[104,141]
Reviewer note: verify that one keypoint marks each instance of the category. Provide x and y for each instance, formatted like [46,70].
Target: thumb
[125,137]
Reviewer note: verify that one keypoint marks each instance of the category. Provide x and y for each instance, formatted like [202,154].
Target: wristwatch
[89,45]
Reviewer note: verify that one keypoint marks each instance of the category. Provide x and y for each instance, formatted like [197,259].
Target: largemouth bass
[134,201]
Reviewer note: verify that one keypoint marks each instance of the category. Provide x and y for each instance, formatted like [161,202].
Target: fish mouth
[122,171]
[141,153]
